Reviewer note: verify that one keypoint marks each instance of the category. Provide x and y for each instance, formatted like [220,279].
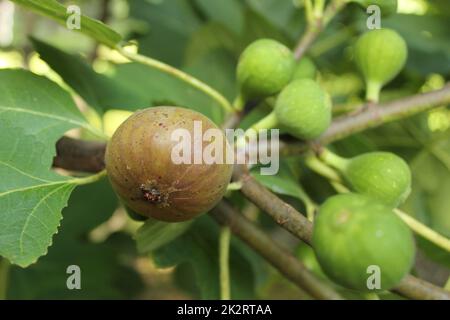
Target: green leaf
[158,88]
[198,249]
[278,12]
[209,37]
[285,182]
[90,27]
[170,25]
[228,13]
[106,271]
[34,114]
[99,91]
[257,26]
[426,36]
[155,234]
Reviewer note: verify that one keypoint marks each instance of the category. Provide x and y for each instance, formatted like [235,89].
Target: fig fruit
[305,69]
[303,108]
[143,172]
[264,68]
[380,55]
[381,175]
[358,240]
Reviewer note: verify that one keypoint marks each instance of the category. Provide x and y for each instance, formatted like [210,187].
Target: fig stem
[239,102]
[373,91]
[310,205]
[424,231]
[322,168]
[334,160]
[268,122]
[89,179]
[224,264]
[234,186]
[194,82]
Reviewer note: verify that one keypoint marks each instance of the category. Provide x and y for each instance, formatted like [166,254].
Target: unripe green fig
[380,55]
[387,7]
[141,166]
[358,240]
[264,68]
[381,175]
[303,108]
[305,69]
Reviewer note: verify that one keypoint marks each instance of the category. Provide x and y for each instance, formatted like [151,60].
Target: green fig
[303,108]
[361,244]
[305,69]
[381,175]
[380,55]
[264,68]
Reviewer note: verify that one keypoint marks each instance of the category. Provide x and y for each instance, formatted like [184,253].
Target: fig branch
[85,156]
[279,257]
[82,153]
[375,116]
[378,114]
[315,24]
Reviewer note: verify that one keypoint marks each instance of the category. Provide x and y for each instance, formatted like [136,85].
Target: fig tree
[381,175]
[264,68]
[361,244]
[380,55]
[143,172]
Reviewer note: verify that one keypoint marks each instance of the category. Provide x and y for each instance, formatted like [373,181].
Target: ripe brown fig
[143,172]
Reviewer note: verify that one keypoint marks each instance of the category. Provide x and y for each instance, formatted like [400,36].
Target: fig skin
[352,232]
[141,171]
[303,108]
[381,175]
[305,69]
[264,68]
[380,55]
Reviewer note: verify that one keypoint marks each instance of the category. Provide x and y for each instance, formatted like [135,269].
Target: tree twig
[279,257]
[374,116]
[315,26]
[382,113]
[284,214]
[79,155]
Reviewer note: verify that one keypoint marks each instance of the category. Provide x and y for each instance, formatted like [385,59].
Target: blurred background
[205,39]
